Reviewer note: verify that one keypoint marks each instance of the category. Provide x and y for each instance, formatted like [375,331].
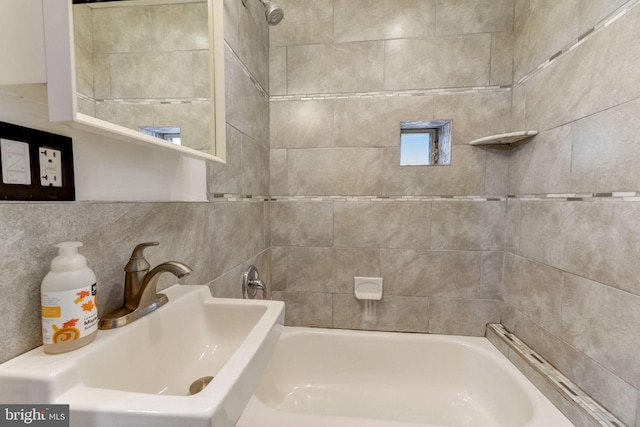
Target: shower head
[272,12]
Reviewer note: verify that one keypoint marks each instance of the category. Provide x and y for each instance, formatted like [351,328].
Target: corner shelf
[505,138]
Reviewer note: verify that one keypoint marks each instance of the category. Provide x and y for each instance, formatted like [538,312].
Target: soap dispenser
[69,310]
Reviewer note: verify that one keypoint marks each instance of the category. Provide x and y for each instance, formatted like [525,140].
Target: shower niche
[121,68]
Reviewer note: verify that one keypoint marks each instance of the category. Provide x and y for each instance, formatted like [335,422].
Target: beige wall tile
[462,317]
[277,71]
[512,239]
[334,171]
[492,268]
[548,27]
[201,74]
[255,167]
[608,389]
[302,223]
[251,114]
[588,239]
[122,29]
[301,124]
[131,116]
[101,76]
[236,234]
[496,172]
[465,175]
[278,173]
[427,62]
[304,23]
[382,224]
[160,79]
[605,151]
[230,23]
[194,121]
[83,42]
[306,308]
[567,91]
[534,289]
[279,268]
[227,178]
[253,45]
[593,11]
[502,58]
[587,317]
[375,122]
[468,225]
[470,16]
[351,262]
[356,20]
[474,115]
[518,108]
[345,67]
[392,313]
[431,273]
[311,270]
[542,164]
[176,27]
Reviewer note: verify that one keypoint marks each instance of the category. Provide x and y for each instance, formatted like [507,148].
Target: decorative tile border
[610,19]
[622,196]
[388,93]
[567,388]
[244,68]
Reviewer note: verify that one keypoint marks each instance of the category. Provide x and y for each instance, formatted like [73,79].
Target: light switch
[16,167]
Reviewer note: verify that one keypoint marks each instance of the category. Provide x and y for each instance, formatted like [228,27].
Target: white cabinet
[22,54]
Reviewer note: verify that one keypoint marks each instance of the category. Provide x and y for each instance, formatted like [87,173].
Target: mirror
[150,71]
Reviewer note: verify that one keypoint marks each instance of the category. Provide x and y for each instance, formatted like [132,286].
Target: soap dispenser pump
[68,293]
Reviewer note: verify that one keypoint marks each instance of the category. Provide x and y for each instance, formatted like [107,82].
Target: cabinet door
[22,57]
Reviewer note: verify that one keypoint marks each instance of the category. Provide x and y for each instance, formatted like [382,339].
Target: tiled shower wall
[343,74]
[218,239]
[571,275]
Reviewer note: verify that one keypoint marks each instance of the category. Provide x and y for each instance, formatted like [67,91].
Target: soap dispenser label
[69,315]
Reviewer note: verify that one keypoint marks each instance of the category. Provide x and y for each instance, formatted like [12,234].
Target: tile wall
[218,239]
[343,74]
[571,284]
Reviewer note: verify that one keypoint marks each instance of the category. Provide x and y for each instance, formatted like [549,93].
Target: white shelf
[505,138]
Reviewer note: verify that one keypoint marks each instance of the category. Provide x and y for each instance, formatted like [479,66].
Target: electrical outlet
[50,167]
[16,167]
[35,165]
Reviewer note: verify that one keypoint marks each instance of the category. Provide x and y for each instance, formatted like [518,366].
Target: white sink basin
[140,374]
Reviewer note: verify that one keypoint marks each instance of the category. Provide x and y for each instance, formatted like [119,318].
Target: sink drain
[198,385]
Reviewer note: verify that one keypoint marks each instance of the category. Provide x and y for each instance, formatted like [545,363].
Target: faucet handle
[137,262]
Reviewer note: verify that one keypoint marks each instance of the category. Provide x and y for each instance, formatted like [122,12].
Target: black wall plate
[37,142]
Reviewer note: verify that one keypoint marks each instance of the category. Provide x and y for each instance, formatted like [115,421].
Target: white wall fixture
[368,288]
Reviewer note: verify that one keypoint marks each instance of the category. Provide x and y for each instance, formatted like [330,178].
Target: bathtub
[339,378]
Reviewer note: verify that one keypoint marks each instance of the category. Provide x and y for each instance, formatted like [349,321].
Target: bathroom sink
[145,373]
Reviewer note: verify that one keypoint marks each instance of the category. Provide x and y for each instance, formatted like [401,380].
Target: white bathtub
[338,378]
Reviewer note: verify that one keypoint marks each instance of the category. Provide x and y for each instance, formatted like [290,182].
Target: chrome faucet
[140,294]
[251,284]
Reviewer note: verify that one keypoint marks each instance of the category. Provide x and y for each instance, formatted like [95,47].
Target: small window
[168,133]
[425,143]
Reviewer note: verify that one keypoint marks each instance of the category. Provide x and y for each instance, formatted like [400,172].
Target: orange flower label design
[88,306]
[70,323]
